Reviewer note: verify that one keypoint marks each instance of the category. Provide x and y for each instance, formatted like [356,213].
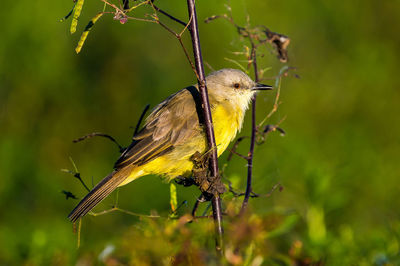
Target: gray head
[233,85]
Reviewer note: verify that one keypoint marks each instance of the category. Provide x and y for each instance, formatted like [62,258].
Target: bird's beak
[261,87]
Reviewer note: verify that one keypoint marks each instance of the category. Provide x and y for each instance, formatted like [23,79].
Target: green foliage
[77,13]
[338,163]
[173,201]
[86,32]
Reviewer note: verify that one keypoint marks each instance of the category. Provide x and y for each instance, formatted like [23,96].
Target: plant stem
[216,200]
[249,188]
[167,15]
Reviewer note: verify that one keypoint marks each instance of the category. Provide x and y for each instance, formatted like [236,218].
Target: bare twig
[99,134]
[75,173]
[179,37]
[236,63]
[267,129]
[253,133]
[238,154]
[168,15]
[200,199]
[216,200]
[117,9]
[141,119]
[177,209]
[278,80]
[277,185]
[209,66]
[237,194]
[116,209]
[235,145]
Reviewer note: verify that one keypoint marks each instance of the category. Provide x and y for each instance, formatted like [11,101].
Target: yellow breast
[227,121]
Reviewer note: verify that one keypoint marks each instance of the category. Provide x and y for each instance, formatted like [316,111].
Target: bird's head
[233,85]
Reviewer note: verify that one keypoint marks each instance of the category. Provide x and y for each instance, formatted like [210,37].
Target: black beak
[262,87]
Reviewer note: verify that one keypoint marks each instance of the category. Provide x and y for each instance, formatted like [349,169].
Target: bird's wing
[171,123]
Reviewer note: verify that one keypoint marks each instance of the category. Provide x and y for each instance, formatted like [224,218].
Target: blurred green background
[338,163]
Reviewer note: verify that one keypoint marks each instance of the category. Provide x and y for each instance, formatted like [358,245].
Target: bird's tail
[98,193]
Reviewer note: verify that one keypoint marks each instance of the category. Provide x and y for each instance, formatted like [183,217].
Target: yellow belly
[226,121]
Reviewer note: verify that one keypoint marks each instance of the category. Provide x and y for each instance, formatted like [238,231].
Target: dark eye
[236,85]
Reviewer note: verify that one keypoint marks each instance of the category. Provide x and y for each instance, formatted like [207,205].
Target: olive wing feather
[171,123]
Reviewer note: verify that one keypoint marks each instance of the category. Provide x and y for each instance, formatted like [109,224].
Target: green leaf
[77,13]
[86,32]
[173,197]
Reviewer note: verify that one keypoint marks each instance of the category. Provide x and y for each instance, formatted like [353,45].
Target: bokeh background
[338,164]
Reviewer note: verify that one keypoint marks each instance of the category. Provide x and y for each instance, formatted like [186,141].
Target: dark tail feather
[98,193]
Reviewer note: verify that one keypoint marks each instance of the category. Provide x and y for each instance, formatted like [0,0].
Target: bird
[174,132]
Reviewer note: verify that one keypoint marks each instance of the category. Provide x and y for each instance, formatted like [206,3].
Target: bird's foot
[185,181]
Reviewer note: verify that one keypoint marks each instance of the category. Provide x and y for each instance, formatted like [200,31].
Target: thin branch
[238,154]
[167,15]
[216,200]
[140,4]
[188,24]
[177,209]
[267,129]
[203,88]
[75,173]
[237,194]
[77,176]
[278,93]
[200,199]
[141,119]
[207,209]
[277,185]
[117,9]
[99,134]
[235,145]
[253,133]
[114,209]
[209,66]
[141,19]
[179,37]
[188,57]
[156,18]
[236,63]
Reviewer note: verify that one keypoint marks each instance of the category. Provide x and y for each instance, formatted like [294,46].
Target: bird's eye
[236,85]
